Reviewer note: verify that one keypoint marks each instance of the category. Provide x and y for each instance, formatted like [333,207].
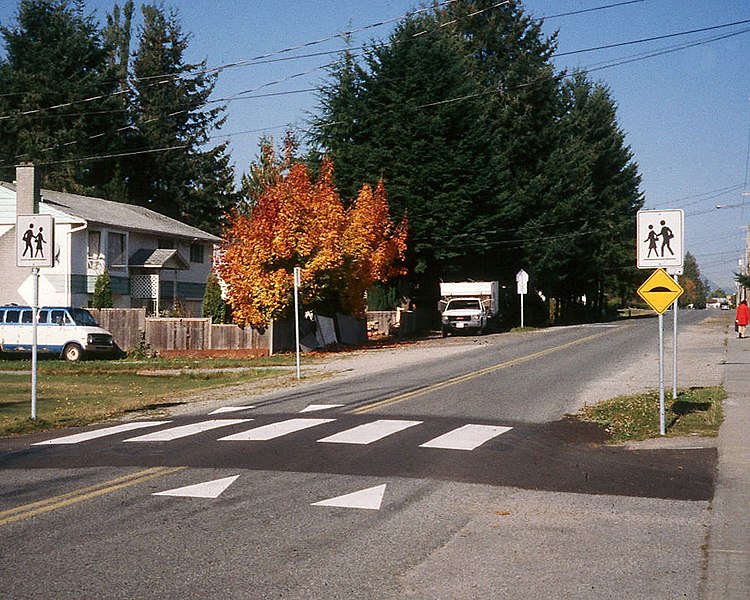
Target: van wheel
[73,353]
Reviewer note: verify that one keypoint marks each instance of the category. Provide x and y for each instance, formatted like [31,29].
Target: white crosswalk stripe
[77,438]
[274,430]
[174,433]
[369,432]
[467,437]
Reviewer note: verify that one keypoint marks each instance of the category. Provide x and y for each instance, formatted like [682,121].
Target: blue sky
[686,114]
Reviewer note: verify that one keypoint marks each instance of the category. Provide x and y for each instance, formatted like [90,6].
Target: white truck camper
[468,306]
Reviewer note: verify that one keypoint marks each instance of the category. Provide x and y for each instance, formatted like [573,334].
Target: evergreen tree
[103,291]
[398,119]
[267,171]
[169,114]
[579,242]
[56,103]
[512,61]
[213,302]
[498,160]
[118,34]
[693,284]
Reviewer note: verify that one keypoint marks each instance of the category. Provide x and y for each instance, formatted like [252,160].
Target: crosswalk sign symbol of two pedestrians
[35,241]
[660,240]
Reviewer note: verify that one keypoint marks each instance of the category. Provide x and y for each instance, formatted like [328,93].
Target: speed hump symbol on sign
[660,291]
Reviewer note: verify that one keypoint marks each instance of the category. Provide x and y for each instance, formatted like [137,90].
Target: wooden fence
[125,324]
[128,325]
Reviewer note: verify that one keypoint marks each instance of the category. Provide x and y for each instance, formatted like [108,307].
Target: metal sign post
[297,278]
[662,426]
[660,291]
[34,333]
[674,272]
[35,247]
[674,349]
[522,282]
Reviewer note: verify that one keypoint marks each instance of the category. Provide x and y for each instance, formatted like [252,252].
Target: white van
[70,333]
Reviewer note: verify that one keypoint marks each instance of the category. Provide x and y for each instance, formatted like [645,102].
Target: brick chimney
[27,189]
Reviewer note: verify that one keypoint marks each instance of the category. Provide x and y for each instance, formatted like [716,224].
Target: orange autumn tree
[299,222]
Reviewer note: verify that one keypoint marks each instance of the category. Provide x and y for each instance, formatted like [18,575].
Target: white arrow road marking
[77,438]
[174,433]
[369,432]
[226,409]
[369,499]
[209,489]
[467,437]
[314,407]
[274,430]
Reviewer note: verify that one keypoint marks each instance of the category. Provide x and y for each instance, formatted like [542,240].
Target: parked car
[63,331]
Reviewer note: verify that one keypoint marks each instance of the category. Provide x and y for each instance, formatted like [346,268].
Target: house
[153,260]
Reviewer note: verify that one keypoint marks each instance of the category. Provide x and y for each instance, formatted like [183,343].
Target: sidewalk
[728,573]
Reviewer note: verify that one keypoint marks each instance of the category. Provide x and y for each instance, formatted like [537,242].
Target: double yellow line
[99,489]
[468,376]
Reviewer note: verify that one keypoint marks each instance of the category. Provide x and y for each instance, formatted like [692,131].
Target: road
[458,478]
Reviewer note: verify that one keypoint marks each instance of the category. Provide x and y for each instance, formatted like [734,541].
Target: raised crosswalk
[466,437]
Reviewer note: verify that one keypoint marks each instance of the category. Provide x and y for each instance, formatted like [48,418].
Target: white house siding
[54,285]
[72,280]
[12,276]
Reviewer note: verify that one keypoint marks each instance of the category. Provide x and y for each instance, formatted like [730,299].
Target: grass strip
[695,411]
[70,395]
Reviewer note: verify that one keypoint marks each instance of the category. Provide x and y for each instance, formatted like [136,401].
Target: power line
[164,77]
[238,95]
[652,39]
[245,94]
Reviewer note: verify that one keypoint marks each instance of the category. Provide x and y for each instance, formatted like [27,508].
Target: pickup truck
[464,315]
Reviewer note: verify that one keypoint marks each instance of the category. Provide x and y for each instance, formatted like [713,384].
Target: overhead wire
[237,95]
[245,95]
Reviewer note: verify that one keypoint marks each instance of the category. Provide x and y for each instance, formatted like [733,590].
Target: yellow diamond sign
[660,290]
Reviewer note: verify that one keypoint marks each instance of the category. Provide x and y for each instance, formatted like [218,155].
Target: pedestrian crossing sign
[660,239]
[35,241]
[660,291]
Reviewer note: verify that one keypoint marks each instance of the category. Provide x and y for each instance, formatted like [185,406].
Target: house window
[197,253]
[95,250]
[116,250]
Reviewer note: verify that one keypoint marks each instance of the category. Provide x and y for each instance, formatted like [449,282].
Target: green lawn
[78,394]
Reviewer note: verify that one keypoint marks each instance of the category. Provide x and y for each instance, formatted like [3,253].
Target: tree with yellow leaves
[298,222]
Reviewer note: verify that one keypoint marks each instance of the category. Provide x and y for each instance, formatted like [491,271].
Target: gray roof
[118,214]
[161,258]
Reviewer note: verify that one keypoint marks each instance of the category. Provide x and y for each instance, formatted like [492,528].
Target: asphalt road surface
[457,475]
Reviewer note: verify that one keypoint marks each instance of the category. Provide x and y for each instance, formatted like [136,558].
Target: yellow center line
[99,489]
[468,376]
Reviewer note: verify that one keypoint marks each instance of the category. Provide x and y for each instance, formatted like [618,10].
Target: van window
[42,316]
[26,316]
[57,317]
[83,317]
[12,315]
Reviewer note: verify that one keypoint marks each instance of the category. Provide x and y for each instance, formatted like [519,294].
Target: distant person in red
[742,318]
